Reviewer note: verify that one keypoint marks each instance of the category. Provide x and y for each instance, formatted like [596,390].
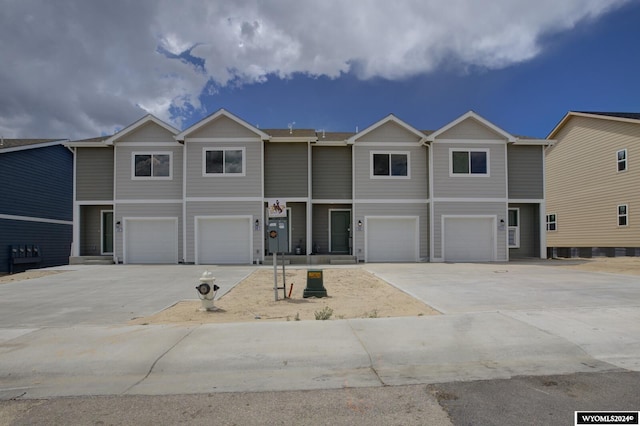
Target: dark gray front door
[340,223]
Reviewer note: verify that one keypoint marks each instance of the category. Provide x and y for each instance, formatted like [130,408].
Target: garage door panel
[224,241]
[391,240]
[151,241]
[469,239]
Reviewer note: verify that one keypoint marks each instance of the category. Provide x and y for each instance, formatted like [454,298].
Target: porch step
[343,261]
[90,260]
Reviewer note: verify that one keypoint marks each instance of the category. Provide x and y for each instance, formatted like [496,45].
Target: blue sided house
[36,203]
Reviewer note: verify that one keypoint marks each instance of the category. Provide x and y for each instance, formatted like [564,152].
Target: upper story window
[622,160]
[223,162]
[390,164]
[469,162]
[552,223]
[623,215]
[151,165]
[514,228]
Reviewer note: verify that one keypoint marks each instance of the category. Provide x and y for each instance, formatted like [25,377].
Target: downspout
[75,244]
[424,142]
[184,201]
[309,198]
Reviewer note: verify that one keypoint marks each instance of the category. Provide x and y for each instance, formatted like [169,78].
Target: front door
[107,232]
[340,227]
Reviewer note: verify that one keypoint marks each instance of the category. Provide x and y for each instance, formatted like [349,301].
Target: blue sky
[75,69]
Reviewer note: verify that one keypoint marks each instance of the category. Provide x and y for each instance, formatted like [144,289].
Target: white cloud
[74,68]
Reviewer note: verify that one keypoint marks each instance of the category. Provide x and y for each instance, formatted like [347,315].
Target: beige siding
[492,186]
[331,173]
[249,185]
[392,209]
[147,211]
[469,209]
[94,174]
[470,129]
[128,188]
[584,187]
[223,127]
[236,208]
[526,171]
[286,170]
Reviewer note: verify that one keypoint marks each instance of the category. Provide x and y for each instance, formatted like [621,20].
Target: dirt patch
[352,293]
[613,265]
[21,276]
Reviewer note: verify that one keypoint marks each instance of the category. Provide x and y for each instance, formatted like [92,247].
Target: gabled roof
[470,114]
[220,113]
[389,118]
[144,120]
[12,145]
[628,117]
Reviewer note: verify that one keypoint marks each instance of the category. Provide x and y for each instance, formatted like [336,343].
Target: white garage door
[392,239]
[151,240]
[469,239]
[223,240]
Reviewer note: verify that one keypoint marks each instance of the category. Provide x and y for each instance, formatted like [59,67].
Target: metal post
[284,280]
[275,276]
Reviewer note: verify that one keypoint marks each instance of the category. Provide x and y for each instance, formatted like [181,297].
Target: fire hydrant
[207,291]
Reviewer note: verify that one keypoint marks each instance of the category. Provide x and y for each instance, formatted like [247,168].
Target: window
[390,164]
[552,222]
[622,160]
[151,165]
[623,215]
[223,162]
[514,228]
[469,162]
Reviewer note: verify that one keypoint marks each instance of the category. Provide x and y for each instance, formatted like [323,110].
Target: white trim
[184,205]
[262,202]
[96,144]
[224,161]
[75,238]
[391,201]
[196,219]
[223,140]
[389,118]
[473,115]
[625,215]
[113,230]
[526,200]
[220,113]
[548,222]
[542,142]
[516,228]
[350,220]
[570,114]
[431,205]
[472,141]
[93,202]
[308,205]
[144,120]
[33,146]
[293,139]
[142,219]
[374,217]
[487,151]
[142,201]
[173,144]
[389,153]
[543,207]
[223,199]
[321,143]
[289,200]
[494,248]
[151,153]
[625,160]
[390,144]
[469,200]
[331,201]
[35,219]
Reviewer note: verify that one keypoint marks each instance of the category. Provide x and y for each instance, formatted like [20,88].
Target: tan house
[593,185]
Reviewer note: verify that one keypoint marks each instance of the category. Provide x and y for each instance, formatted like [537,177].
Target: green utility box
[315,285]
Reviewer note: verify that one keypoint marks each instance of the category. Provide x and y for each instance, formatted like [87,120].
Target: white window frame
[516,228]
[487,151]
[224,173]
[625,215]
[623,161]
[151,153]
[550,222]
[389,153]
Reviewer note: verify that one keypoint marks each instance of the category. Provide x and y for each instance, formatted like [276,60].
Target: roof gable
[474,125]
[12,145]
[627,117]
[387,121]
[138,125]
[221,114]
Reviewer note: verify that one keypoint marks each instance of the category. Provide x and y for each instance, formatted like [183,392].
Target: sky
[84,68]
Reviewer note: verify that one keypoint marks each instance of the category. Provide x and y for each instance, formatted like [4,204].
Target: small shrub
[324,314]
[372,314]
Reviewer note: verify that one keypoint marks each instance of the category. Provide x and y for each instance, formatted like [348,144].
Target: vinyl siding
[529,232]
[223,127]
[470,129]
[469,209]
[286,170]
[492,186]
[320,231]
[94,174]
[331,173]
[228,208]
[584,187]
[389,132]
[146,210]
[37,183]
[90,231]
[526,171]
[149,132]
[390,209]
[249,185]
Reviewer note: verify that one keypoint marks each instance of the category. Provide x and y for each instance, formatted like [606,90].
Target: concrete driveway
[65,334]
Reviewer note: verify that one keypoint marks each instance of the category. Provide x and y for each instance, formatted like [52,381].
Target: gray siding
[228,208]
[90,232]
[149,132]
[470,129]
[298,225]
[320,231]
[286,170]
[392,209]
[529,232]
[492,186]
[389,132]
[94,174]
[249,185]
[331,173]
[223,127]
[148,211]
[526,171]
[134,189]
[469,209]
